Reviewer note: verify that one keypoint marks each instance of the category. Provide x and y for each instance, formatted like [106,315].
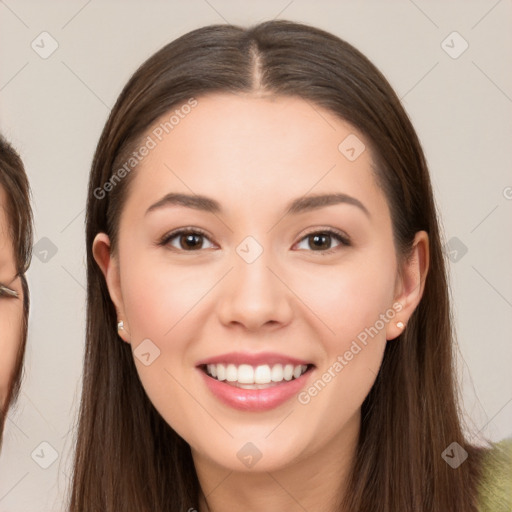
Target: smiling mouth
[246,376]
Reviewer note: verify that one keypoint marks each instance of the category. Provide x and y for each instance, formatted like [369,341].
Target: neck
[315,482]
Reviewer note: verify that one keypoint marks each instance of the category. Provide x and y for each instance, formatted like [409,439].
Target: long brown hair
[14,181]
[127,457]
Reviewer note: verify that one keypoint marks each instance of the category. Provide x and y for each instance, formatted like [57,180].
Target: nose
[254,295]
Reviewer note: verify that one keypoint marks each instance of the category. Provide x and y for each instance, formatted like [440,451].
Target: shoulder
[495,487]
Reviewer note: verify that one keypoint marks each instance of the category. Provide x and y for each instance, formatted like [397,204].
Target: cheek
[352,304]
[347,298]
[159,302]
[159,297]
[365,300]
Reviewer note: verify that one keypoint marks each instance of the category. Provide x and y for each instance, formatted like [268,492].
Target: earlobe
[109,266]
[122,332]
[411,284]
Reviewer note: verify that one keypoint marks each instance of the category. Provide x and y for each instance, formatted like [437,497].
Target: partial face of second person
[302,297]
[11,308]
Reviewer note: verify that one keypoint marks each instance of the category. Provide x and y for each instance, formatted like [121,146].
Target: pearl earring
[120,325]
[400,325]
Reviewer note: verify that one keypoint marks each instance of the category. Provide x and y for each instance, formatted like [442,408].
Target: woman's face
[255,288]
[11,307]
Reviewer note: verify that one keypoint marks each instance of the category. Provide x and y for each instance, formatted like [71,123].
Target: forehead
[243,149]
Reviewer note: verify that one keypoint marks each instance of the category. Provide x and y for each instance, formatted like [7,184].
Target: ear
[410,283]
[109,266]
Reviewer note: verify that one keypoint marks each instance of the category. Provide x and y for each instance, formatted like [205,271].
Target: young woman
[15,255]
[268,321]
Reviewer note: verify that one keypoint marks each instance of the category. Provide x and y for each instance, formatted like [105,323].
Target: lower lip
[255,399]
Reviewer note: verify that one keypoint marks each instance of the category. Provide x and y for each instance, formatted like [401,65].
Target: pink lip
[238,358]
[255,400]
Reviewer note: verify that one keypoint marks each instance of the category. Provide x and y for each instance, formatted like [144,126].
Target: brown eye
[191,241]
[187,240]
[320,241]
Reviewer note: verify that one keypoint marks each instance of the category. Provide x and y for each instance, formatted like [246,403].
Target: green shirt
[495,489]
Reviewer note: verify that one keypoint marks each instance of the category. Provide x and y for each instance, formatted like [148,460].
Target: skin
[254,155]
[11,309]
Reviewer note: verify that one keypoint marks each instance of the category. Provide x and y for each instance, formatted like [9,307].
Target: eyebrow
[300,205]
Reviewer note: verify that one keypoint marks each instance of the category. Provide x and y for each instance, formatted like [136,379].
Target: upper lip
[238,358]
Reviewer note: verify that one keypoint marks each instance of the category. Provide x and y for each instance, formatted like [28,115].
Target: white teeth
[231,373]
[245,374]
[297,372]
[221,371]
[277,373]
[262,374]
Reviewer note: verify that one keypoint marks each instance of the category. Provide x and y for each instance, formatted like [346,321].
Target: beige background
[53,111]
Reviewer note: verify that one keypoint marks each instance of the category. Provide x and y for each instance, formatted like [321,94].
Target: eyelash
[339,236]
[7,292]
